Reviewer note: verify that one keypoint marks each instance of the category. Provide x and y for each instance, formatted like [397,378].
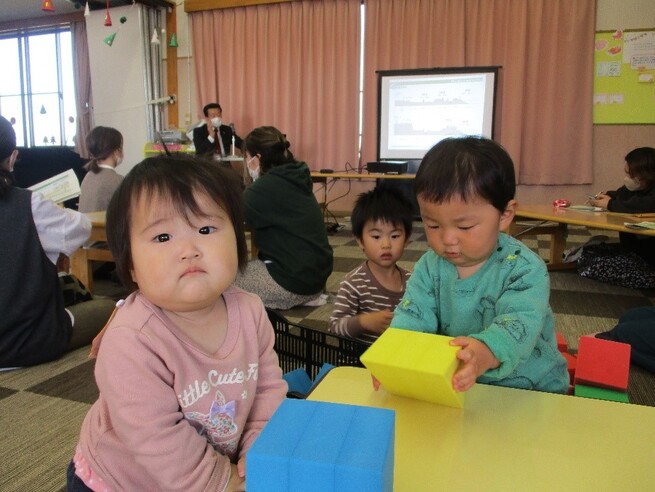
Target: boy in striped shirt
[382,224]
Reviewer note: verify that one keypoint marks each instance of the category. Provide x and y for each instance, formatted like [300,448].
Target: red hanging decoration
[107,16]
[47,6]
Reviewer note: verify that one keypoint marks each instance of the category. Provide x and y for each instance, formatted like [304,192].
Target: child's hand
[376,383]
[236,483]
[476,359]
[376,322]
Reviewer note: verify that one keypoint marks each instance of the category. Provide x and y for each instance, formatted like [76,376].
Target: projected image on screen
[417,110]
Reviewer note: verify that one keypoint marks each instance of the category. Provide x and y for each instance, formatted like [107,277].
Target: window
[37,90]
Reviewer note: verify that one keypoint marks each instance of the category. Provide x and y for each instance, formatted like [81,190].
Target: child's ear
[507,216]
[359,241]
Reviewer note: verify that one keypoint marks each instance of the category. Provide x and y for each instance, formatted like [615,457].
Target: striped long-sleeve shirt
[360,292]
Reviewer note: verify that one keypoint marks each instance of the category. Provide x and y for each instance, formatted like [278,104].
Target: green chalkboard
[624,77]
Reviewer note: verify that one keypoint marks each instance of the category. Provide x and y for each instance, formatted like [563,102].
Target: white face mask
[254,173]
[216,122]
[632,184]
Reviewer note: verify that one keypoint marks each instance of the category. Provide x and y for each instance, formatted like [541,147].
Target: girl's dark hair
[101,142]
[271,145]
[641,165]
[176,177]
[386,204]
[7,147]
[465,168]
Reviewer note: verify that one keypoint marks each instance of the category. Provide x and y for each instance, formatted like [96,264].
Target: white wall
[117,78]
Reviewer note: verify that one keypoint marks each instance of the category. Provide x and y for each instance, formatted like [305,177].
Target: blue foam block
[267,461]
[298,381]
[318,446]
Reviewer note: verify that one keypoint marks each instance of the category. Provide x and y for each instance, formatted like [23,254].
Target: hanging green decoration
[110,39]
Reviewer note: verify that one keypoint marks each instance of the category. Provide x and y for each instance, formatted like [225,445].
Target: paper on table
[640,225]
[59,188]
[586,208]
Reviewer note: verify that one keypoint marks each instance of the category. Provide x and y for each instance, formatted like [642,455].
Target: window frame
[26,90]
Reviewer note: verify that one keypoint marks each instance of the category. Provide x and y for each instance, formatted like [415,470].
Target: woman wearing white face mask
[105,145]
[637,195]
[252,163]
[294,256]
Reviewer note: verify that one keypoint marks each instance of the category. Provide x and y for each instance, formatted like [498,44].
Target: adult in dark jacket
[295,257]
[205,134]
[636,196]
[636,327]
[35,236]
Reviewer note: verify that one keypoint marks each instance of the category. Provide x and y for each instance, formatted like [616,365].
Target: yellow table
[507,439]
[562,217]
[152,149]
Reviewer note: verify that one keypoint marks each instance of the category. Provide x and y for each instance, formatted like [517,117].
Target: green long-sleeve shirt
[505,304]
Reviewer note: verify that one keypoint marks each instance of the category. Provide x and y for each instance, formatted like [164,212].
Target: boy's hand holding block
[414,364]
[603,363]
[318,446]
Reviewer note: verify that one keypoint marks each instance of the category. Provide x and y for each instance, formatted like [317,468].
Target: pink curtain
[402,34]
[545,48]
[546,99]
[292,65]
[83,94]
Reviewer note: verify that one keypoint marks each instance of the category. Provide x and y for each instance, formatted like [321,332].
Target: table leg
[557,245]
[81,268]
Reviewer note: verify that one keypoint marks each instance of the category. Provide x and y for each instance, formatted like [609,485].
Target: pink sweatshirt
[169,416]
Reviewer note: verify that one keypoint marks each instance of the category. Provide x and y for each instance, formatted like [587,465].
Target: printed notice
[608,69]
[59,188]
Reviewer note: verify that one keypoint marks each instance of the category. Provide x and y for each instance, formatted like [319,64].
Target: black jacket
[34,327]
[204,146]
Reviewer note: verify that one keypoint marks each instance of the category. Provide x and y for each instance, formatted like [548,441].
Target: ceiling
[16,10]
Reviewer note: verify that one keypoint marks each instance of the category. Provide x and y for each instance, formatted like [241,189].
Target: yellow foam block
[416,365]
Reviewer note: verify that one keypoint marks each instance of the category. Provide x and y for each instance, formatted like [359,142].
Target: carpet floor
[41,408]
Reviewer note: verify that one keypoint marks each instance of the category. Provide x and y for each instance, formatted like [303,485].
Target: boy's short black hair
[176,177]
[467,167]
[385,204]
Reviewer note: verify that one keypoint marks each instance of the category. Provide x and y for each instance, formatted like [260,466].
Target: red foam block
[603,363]
[562,346]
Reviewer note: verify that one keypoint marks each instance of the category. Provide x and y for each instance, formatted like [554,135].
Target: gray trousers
[257,280]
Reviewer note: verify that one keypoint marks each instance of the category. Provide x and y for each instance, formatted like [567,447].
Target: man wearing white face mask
[636,196]
[212,137]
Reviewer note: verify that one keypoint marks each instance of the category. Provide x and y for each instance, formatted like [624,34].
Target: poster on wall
[624,77]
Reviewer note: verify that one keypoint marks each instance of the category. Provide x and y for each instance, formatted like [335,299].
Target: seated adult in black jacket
[205,135]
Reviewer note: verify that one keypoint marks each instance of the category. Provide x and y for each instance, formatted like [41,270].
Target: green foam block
[600,393]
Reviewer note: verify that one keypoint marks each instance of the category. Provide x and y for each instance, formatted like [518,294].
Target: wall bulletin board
[624,77]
